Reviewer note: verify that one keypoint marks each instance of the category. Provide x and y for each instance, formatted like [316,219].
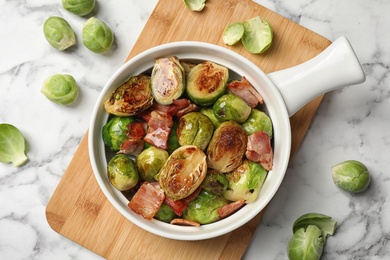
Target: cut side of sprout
[257,36]
[233,33]
[195,5]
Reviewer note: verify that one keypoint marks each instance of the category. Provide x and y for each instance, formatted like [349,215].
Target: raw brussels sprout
[97,36]
[233,33]
[204,208]
[245,182]
[79,7]
[226,147]
[206,82]
[195,5]
[131,98]
[351,175]
[183,172]
[168,80]
[196,129]
[215,182]
[12,145]
[207,111]
[325,223]
[150,161]
[165,213]
[122,172]
[257,37]
[306,244]
[231,107]
[115,131]
[61,89]
[256,122]
[58,33]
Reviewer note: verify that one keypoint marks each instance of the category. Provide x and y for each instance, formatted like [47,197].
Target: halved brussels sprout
[183,172]
[115,131]
[215,182]
[256,122]
[150,161]
[258,34]
[233,33]
[122,172]
[206,82]
[231,107]
[227,147]
[195,5]
[245,182]
[168,80]
[204,208]
[173,140]
[207,111]
[196,129]
[131,98]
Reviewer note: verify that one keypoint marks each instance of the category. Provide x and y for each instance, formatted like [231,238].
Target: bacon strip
[147,200]
[179,206]
[259,149]
[230,208]
[184,222]
[246,91]
[160,125]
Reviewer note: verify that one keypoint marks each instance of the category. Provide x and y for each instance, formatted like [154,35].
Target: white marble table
[352,123]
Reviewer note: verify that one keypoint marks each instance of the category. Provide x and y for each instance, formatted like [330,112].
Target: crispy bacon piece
[147,200]
[130,146]
[267,160]
[259,149]
[230,208]
[179,206]
[246,91]
[160,125]
[186,110]
[137,130]
[184,222]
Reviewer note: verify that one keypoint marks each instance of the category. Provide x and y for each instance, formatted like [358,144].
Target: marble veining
[352,123]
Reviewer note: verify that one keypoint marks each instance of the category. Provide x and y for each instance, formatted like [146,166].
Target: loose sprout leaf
[233,33]
[12,145]
[195,5]
[257,36]
[325,223]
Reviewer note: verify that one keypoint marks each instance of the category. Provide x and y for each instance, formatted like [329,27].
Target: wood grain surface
[78,209]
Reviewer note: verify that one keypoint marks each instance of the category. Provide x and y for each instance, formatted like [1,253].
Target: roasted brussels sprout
[122,172]
[58,33]
[204,208]
[150,161]
[61,89]
[168,80]
[131,98]
[245,182]
[165,213]
[226,147]
[183,172]
[97,36]
[115,132]
[207,111]
[173,140]
[231,107]
[196,129]
[351,175]
[206,82]
[256,122]
[79,7]
[215,182]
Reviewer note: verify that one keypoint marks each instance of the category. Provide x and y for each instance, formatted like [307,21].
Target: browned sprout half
[227,147]
[131,98]
[183,172]
[168,80]
[206,82]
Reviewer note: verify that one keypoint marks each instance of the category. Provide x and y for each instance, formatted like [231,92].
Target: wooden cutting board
[78,209]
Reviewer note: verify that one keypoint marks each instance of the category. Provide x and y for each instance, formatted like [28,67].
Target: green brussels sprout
[245,182]
[173,140]
[150,161]
[204,208]
[258,34]
[130,98]
[206,82]
[306,244]
[167,80]
[183,172]
[58,33]
[351,175]
[79,7]
[12,145]
[122,172]
[256,122]
[61,89]
[165,213]
[233,33]
[195,5]
[325,223]
[97,36]
[115,132]
[231,107]
[227,147]
[196,129]
[215,182]
[207,111]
